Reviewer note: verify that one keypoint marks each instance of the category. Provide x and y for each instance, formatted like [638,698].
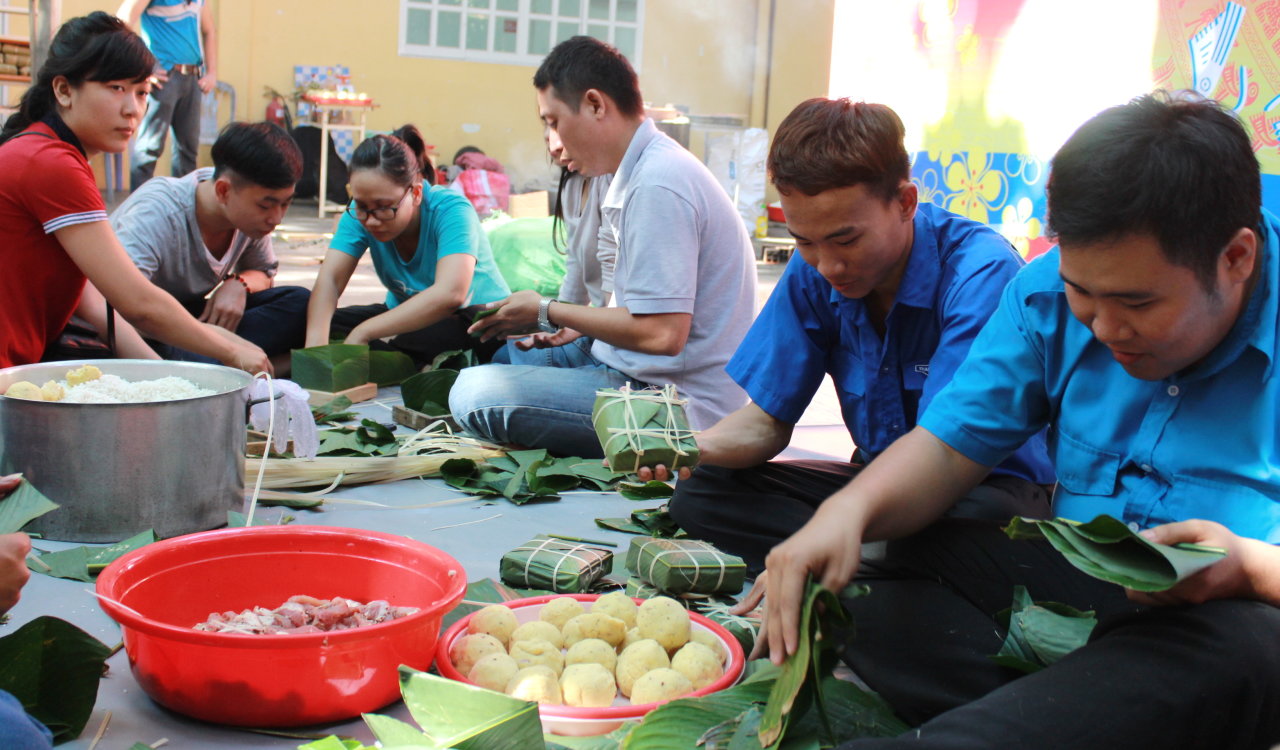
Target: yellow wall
[709,55]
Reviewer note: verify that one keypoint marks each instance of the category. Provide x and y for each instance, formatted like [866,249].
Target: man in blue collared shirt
[1147,344]
[886,296]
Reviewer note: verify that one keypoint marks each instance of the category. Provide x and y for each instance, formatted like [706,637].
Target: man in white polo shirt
[684,279]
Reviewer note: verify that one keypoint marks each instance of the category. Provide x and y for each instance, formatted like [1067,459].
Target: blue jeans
[533,406]
[576,353]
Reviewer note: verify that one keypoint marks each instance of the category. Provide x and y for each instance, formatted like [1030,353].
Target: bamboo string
[271,426]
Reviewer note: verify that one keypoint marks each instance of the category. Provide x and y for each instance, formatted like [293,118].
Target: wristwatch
[544,322]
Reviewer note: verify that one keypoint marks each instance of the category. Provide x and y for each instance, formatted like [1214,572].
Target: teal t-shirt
[448,225]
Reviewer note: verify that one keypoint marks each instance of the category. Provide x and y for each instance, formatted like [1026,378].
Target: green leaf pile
[1040,633]
[369,439]
[1107,549]
[521,476]
[52,668]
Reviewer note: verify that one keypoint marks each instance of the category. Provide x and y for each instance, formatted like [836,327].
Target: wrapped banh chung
[643,428]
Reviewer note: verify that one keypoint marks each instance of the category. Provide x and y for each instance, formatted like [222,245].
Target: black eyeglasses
[381,213]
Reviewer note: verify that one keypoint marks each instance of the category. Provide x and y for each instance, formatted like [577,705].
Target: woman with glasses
[428,250]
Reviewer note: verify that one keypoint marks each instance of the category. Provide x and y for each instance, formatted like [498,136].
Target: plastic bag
[293,419]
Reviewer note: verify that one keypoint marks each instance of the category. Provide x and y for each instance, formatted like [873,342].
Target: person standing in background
[181,35]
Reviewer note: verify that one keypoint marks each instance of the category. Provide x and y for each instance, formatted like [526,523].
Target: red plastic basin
[277,680]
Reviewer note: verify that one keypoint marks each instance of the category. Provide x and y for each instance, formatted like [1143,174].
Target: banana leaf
[22,506]
[459,715]
[334,410]
[53,668]
[650,490]
[393,733]
[681,722]
[428,392]
[646,522]
[520,476]
[389,367]
[852,713]
[457,359]
[805,664]
[1040,633]
[332,367]
[370,438]
[332,742]
[1109,550]
[83,563]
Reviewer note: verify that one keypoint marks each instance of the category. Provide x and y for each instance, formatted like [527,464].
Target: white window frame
[524,17]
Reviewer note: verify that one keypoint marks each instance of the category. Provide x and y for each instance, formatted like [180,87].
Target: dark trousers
[175,106]
[422,345]
[1205,676]
[275,319]
[749,511]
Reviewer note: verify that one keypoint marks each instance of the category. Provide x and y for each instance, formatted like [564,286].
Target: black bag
[308,140]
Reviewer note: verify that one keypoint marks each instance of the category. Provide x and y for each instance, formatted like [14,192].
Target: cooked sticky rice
[112,389]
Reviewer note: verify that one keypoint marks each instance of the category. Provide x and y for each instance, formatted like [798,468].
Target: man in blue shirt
[886,295]
[1147,343]
[180,33]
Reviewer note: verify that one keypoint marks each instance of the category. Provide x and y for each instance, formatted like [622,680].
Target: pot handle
[255,401]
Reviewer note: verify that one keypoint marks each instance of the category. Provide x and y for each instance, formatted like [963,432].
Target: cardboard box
[529,205]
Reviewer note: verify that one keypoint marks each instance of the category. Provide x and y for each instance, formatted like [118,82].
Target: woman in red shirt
[87,98]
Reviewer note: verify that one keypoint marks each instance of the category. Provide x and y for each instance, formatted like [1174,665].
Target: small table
[327,109]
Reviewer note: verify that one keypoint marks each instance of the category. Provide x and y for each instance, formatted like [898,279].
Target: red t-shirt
[45,184]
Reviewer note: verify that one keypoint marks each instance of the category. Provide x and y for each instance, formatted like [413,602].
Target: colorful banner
[990,89]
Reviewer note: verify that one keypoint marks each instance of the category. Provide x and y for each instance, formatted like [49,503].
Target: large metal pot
[119,469]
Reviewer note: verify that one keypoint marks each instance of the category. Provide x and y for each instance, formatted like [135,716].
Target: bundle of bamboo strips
[420,455]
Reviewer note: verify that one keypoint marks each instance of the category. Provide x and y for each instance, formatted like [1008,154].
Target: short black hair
[1179,168]
[833,143]
[258,152]
[583,62]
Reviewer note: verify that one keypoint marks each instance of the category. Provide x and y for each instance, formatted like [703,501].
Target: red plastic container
[277,680]
[576,721]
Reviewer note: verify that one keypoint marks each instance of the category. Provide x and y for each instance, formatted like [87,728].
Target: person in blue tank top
[885,295]
[180,33]
[428,250]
